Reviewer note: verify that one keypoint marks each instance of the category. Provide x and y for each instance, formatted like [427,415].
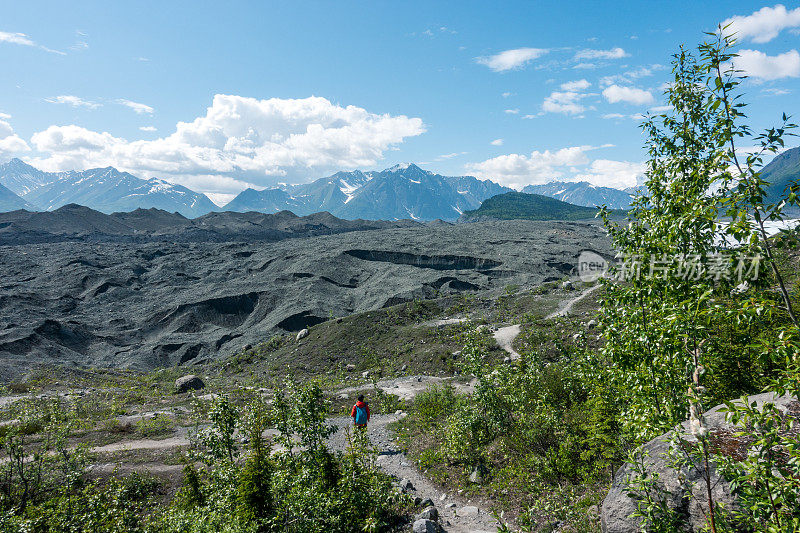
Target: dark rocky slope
[143,305]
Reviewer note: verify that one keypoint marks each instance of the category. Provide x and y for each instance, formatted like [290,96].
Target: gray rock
[450,506]
[469,510]
[425,526]
[187,383]
[591,324]
[302,334]
[430,513]
[350,368]
[478,476]
[682,491]
[567,285]
[427,502]
[405,484]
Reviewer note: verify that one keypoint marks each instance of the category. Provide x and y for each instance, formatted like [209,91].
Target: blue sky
[221,96]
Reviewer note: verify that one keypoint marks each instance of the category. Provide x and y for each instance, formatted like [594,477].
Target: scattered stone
[426,526]
[187,383]
[567,285]
[350,368]
[247,347]
[450,506]
[507,360]
[427,502]
[591,324]
[430,513]
[443,497]
[365,374]
[403,368]
[469,510]
[302,334]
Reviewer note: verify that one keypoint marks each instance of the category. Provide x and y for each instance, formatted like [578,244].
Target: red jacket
[362,405]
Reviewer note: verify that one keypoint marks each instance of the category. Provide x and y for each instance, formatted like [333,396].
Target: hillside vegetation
[523,206]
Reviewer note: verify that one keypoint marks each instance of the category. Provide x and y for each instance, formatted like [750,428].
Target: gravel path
[465,517]
[567,306]
[505,338]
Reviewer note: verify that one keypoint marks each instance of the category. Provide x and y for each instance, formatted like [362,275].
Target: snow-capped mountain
[583,193]
[11,202]
[103,189]
[400,192]
[21,178]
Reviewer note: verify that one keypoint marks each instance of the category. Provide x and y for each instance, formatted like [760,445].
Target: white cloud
[497,142]
[631,75]
[763,25]
[776,91]
[511,59]
[24,40]
[614,53]
[568,100]
[507,94]
[661,109]
[147,128]
[609,173]
[239,141]
[139,109]
[631,95]
[518,170]
[577,85]
[11,144]
[763,67]
[445,157]
[514,111]
[74,101]
[614,116]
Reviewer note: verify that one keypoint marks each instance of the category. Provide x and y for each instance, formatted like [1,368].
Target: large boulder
[425,526]
[187,383]
[682,490]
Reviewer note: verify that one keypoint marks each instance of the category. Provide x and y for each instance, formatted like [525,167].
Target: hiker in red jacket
[360,413]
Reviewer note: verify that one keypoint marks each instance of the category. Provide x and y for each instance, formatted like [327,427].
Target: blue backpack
[361,415]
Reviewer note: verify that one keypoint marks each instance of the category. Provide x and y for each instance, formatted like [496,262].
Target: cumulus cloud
[631,95]
[518,170]
[239,141]
[577,85]
[514,111]
[73,101]
[763,25]
[511,59]
[11,144]
[24,40]
[609,173]
[763,67]
[613,53]
[497,142]
[139,108]
[568,100]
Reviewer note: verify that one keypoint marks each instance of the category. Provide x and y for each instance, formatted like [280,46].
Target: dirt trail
[567,306]
[505,338]
[407,387]
[465,517]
